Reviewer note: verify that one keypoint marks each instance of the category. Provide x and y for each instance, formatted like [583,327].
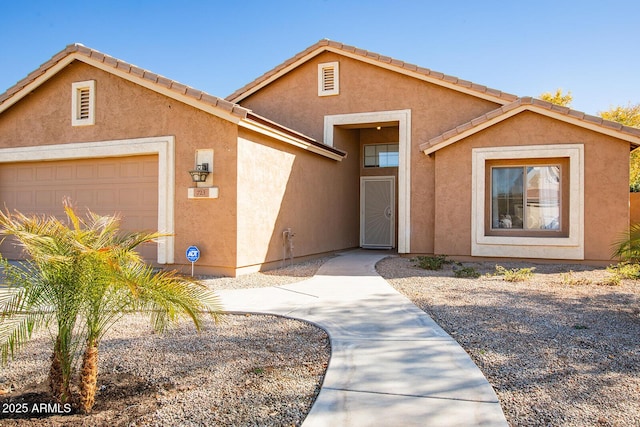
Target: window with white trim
[83,103]
[328,79]
[546,219]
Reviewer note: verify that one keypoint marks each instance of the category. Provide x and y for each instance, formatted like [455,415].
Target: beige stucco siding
[606,212]
[282,187]
[293,100]
[124,111]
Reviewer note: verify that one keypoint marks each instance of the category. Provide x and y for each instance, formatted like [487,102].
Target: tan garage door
[127,186]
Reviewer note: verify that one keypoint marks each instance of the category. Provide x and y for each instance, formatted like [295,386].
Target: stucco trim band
[403,117]
[571,247]
[163,147]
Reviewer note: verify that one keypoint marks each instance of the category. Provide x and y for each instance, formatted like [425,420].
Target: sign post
[193,254]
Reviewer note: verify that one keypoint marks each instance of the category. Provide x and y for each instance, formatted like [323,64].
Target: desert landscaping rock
[556,353]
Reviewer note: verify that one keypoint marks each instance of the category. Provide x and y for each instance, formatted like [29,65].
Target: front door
[377,211]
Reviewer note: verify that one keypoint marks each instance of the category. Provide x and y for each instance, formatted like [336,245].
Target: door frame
[403,117]
[392,180]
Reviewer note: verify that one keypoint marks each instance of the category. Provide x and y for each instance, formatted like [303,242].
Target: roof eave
[564,114]
[388,63]
[170,88]
[262,126]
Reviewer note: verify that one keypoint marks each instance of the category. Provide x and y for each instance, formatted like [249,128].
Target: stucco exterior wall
[293,101]
[125,110]
[606,205]
[282,187]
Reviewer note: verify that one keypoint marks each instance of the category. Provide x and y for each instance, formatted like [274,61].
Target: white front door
[377,211]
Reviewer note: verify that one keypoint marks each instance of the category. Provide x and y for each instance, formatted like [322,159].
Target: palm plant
[627,247]
[44,291]
[95,280]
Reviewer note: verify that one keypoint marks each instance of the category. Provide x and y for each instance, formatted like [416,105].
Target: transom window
[381,155]
[527,198]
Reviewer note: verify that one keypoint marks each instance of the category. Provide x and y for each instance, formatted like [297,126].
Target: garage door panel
[25,174]
[105,186]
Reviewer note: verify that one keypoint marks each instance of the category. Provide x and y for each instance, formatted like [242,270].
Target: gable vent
[328,79]
[83,99]
[84,103]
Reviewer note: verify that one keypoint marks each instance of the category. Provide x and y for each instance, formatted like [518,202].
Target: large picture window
[528,201]
[526,197]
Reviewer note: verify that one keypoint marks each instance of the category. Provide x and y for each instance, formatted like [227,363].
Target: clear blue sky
[587,47]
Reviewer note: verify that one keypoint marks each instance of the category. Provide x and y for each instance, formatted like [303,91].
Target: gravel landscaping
[561,348]
[246,370]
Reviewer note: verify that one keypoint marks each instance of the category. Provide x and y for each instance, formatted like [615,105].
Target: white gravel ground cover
[246,370]
[557,354]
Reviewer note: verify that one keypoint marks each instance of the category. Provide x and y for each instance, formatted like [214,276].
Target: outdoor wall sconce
[200,173]
[203,188]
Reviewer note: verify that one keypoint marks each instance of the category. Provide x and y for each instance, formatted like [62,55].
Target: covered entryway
[400,120]
[377,211]
[127,186]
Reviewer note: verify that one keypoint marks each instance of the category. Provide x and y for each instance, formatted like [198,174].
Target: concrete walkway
[391,364]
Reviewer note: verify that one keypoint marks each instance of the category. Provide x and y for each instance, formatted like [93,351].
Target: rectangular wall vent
[328,79]
[83,103]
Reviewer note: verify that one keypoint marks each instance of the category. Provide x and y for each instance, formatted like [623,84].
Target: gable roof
[386,62]
[171,88]
[539,106]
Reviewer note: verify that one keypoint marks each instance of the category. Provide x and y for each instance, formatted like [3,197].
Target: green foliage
[627,247]
[570,280]
[514,274]
[82,277]
[465,272]
[628,116]
[558,98]
[434,262]
[625,270]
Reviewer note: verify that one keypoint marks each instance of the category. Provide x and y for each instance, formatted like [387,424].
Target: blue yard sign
[193,254]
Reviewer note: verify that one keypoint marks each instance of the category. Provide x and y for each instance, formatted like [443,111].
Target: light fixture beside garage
[200,173]
[202,176]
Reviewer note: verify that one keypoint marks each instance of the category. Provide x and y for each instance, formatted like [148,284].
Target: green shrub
[434,262]
[515,274]
[570,280]
[623,270]
[466,272]
[627,247]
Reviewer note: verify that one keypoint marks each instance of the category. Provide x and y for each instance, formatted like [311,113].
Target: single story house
[335,148]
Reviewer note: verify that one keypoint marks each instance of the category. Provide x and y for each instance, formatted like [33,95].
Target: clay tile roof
[386,61]
[480,123]
[128,68]
[166,84]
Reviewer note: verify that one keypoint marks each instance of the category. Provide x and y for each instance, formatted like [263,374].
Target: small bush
[515,274]
[434,262]
[466,272]
[625,270]
[570,280]
[610,281]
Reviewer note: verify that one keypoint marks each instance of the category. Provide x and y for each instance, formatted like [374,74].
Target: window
[83,103]
[528,201]
[328,79]
[526,198]
[381,155]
